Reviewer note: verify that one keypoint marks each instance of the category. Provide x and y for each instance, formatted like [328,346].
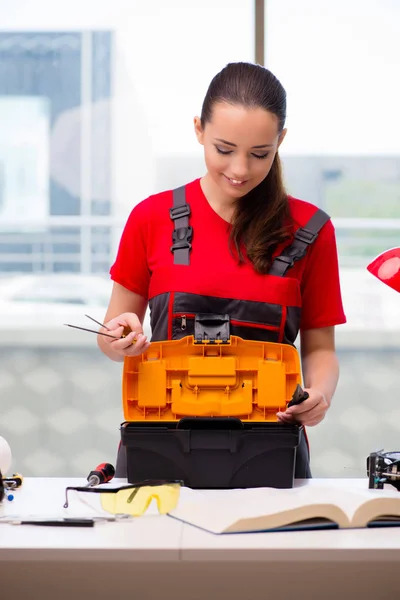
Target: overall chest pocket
[249,320]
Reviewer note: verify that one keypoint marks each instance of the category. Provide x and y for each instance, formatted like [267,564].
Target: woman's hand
[134,344]
[310,412]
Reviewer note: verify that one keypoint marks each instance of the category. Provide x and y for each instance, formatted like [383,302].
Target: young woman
[241,246]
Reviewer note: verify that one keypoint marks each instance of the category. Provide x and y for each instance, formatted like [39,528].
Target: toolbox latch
[212,329]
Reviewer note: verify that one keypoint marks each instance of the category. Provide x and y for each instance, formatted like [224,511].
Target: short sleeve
[322,304]
[130,268]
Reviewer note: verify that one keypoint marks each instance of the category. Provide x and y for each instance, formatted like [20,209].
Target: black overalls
[173,313]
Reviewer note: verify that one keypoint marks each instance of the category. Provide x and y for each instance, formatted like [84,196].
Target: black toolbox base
[212,453]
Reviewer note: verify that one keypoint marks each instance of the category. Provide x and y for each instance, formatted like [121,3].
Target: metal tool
[126,331]
[61,522]
[383,467]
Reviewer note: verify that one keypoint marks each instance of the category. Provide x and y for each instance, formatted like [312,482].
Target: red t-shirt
[143,262]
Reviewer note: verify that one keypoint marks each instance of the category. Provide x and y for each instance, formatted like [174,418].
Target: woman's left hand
[310,412]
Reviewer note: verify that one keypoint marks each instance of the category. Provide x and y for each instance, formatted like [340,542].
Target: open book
[268,509]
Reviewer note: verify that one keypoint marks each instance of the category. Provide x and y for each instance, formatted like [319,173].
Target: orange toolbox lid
[249,380]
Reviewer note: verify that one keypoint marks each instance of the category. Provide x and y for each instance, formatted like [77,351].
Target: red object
[103,472]
[386,268]
[144,264]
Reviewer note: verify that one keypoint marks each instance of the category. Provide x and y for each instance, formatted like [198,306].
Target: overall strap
[182,233]
[303,238]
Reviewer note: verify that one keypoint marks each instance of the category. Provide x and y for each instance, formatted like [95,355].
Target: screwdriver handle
[299,395]
[103,473]
[127,330]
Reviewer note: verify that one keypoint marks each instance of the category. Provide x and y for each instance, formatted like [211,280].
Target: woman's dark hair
[262,219]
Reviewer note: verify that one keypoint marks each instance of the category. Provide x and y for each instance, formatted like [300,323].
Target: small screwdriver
[101,474]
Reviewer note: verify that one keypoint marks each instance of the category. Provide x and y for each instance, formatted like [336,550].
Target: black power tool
[383,467]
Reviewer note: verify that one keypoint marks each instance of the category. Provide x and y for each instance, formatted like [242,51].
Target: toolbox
[204,411]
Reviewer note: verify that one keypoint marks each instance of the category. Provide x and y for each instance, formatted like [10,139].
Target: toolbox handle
[226,442]
[226,423]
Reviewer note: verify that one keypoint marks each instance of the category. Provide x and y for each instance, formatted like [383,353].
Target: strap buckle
[305,235]
[181,238]
[178,212]
[288,260]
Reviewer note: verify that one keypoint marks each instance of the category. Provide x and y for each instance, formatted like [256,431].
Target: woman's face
[239,146]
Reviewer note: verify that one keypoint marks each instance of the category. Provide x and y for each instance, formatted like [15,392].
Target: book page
[264,508]
[361,505]
[222,510]
[383,507]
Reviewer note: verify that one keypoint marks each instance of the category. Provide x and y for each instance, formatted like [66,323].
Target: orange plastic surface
[249,380]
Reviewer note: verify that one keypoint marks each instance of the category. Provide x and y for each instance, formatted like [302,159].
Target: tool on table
[299,395]
[62,522]
[127,330]
[101,474]
[383,467]
[8,484]
[14,481]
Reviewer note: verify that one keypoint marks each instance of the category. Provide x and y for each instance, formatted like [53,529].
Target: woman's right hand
[134,344]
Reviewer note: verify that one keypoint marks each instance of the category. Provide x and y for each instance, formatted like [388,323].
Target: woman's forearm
[321,371]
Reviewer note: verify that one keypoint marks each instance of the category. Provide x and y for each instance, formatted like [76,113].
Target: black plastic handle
[299,395]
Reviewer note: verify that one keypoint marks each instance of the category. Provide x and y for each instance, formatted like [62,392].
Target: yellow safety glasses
[134,499]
